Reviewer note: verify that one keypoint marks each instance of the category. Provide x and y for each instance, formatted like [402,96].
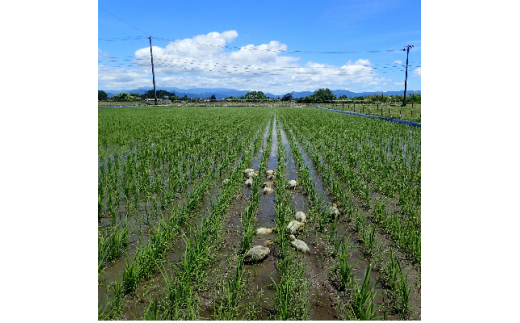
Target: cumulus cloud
[204,61]
[116,77]
[417,72]
[398,62]
[362,62]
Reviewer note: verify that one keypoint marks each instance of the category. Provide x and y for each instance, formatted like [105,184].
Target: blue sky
[272,46]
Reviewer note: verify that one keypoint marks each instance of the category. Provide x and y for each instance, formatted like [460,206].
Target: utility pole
[153,73]
[407,49]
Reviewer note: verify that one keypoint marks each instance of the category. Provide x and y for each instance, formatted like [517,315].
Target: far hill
[221,93]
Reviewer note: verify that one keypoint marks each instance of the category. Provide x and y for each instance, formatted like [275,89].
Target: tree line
[319,96]
[124,96]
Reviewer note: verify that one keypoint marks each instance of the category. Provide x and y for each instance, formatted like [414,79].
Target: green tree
[102,95]
[255,96]
[322,95]
[213,98]
[287,97]
[123,96]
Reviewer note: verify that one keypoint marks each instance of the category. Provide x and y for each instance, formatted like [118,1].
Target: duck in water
[299,244]
[258,253]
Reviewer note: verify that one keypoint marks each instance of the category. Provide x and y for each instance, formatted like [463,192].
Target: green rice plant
[345,271]
[359,223]
[112,246]
[253,309]
[391,270]
[100,208]
[292,296]
[404,291]
[231,290]
[151,312]
[379,212]
[179,299]
[130,278]
[336,240]
[114,307]
[369,240]
[363,298]
[366,196]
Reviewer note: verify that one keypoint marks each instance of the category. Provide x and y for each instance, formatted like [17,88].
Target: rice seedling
[363,298]
[345,271]
[157,166]
[404,291]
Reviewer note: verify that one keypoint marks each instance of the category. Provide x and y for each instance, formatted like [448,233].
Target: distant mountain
[221,93]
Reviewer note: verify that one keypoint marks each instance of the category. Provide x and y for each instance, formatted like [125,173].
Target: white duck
[292,184]
[249,182]
[270,172]
[249,170]
[300,216]
[267,190]
[294,226]
[333,210]
[261,231]
[299,244]
[258,253]
[268,184]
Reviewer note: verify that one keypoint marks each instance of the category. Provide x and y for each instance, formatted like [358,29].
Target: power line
[124,21]
[280,51]
[243,47]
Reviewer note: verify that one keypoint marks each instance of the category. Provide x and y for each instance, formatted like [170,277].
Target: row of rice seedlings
[180,301]
[403,231]
[398,283]
[317,204]
[165,166]
[228,305]
[365,230]
[292,291]
[410,112]
[112,246]
[409,238]
[151,215]
[149,258]
[143,174]
[383,154]
[212,159]
[362,304]
[159,240]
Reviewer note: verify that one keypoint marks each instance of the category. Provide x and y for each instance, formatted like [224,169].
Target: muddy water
[134,307]
[321,292]
[320,190]
[319,265]
[232,234]
[357,255]
[267,202]
[261,275]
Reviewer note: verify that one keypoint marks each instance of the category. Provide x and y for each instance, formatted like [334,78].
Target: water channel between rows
[112,273]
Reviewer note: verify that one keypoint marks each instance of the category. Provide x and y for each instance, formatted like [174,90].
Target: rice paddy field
[199,215]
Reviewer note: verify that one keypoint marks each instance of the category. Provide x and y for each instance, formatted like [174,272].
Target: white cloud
[398,62]
[417,72]
[203,61]
[363,62]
